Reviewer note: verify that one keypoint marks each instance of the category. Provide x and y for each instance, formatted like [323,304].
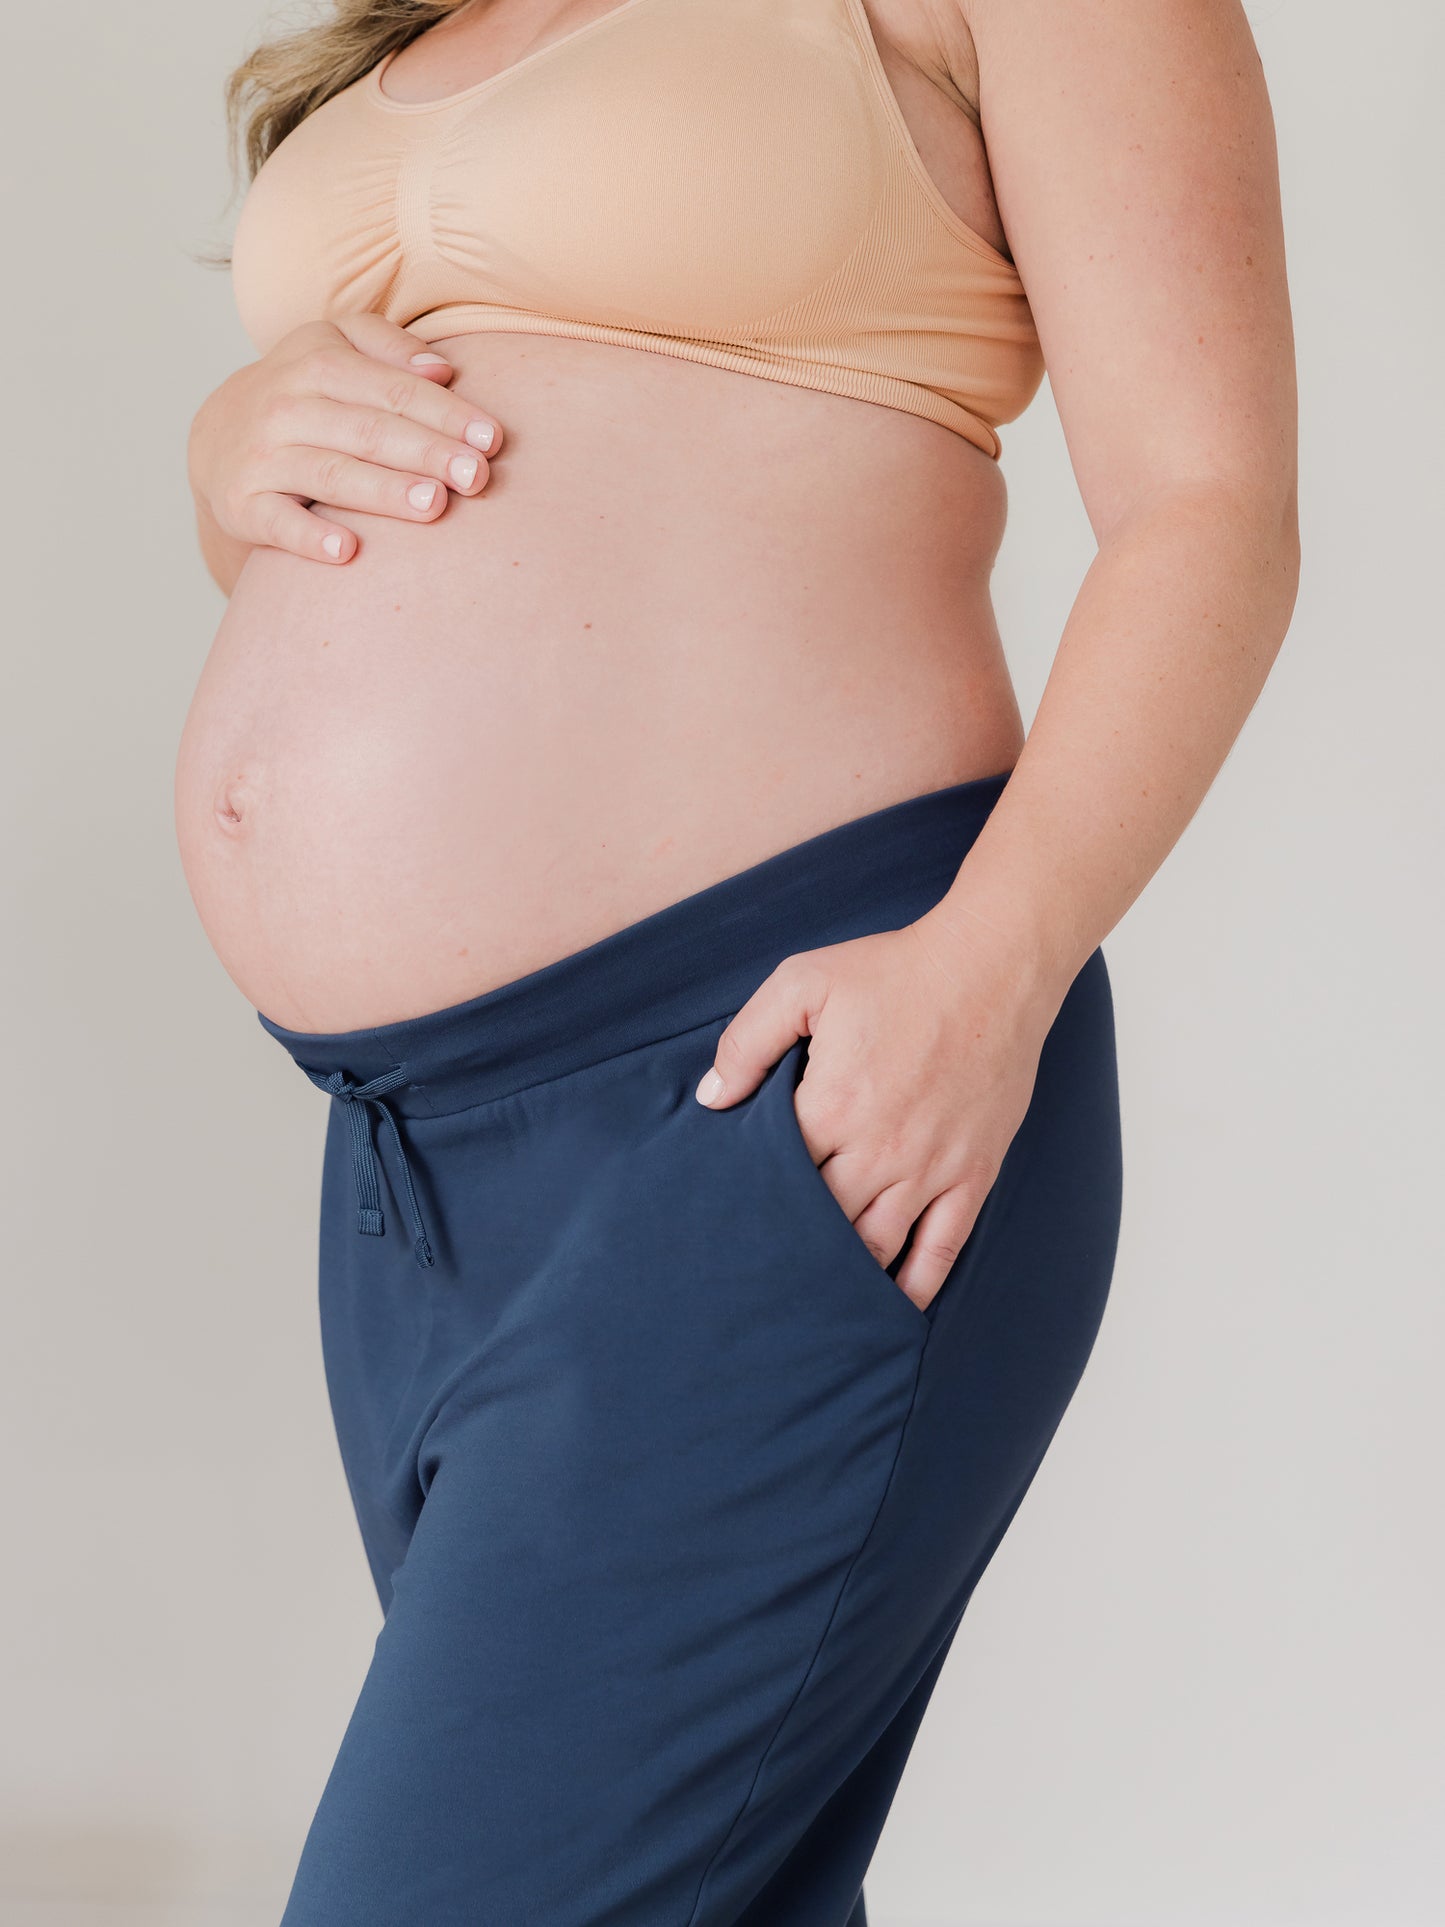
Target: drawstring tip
[360,1100]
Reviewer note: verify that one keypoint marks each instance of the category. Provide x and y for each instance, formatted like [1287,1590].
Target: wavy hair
[284,80]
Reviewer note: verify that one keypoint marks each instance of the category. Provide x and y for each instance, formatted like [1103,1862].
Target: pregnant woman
[607,785]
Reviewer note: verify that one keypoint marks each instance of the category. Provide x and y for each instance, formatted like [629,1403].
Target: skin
[1179,411]
[1125,150]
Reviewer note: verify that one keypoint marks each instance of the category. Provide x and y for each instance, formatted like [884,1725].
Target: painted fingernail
[480,434]
[710,1089]
[463,470]
[332,546]
[421,495]
[430,361]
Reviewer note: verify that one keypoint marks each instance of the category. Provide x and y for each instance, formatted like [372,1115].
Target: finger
[938,1238]
[333,369]
[390,441]
[435,407]
[280,522]
[782,1009]
[342,482]
[885,1220]
[383,340]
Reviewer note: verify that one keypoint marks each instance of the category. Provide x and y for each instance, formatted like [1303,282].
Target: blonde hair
[284,80]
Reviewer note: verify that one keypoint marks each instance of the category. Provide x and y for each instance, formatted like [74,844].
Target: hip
[524,1208]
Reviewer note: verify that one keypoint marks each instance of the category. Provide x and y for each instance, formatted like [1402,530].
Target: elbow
[1261,537]
[1280,556]
[1241,526]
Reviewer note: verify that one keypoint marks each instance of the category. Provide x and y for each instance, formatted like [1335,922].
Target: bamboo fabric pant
[672,1499]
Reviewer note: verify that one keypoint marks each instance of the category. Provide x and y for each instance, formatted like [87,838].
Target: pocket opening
[786,1075]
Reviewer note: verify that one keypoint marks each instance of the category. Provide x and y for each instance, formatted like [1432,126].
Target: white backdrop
[1202,1681]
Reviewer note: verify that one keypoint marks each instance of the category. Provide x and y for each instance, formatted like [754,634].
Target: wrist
[223,554]
[195,456]
[1028,960]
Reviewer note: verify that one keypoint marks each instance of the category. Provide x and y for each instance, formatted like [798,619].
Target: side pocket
[827,1225]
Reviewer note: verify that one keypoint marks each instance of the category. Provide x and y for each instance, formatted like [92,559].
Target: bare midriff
[694,618]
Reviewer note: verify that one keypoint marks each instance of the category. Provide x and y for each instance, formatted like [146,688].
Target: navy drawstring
[359,1099]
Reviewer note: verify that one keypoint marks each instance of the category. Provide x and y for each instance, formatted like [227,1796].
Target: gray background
[1202,1681]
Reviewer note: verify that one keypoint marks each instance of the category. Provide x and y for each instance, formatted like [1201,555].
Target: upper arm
[1132,151]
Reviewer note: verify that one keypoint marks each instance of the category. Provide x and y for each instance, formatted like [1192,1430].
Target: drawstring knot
[360,1100]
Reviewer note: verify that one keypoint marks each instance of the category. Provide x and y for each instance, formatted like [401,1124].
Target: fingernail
[430,361]
[421,495]
[463,470]
[480,434]
[710,1089]
[332,546]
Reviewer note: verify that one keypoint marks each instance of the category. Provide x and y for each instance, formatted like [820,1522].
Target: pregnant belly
[686,625]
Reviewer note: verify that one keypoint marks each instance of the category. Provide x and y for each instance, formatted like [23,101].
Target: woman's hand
[925,1045]
[351,415]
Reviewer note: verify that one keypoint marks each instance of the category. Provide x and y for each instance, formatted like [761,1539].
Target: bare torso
[695,617]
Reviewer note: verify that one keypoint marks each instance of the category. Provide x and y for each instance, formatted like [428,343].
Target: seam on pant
[812,1665]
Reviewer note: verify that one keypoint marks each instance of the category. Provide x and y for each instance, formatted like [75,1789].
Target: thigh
[700,1502]
[643,1476]
[1009,1337]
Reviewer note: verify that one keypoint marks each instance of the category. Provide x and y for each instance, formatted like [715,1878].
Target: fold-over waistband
[698,959]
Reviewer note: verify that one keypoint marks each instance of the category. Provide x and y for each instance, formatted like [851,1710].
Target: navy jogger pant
[672,1499]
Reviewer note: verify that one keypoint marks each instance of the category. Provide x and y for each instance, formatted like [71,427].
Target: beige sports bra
[730,181]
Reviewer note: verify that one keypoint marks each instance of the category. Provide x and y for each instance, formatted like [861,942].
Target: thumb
[780,1011]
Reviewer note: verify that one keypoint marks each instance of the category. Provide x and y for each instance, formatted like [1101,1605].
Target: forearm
[1166,649]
